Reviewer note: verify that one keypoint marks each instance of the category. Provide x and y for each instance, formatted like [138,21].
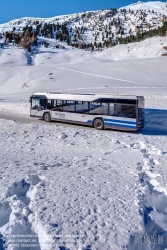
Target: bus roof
[81,97]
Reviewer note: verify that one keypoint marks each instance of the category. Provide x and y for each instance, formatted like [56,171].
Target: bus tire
[47,117]
[98,124]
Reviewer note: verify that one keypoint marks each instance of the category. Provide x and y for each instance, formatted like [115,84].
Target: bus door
[58,112]
[75,113]
[36,107]
[82,111]
[62,110]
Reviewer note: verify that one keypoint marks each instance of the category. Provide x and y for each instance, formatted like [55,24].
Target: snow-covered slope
[157,6]
[133,68]
[149,48]
[98,26]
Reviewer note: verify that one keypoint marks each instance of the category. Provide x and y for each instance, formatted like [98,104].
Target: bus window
[54,103]
[43,103]
[98,108]
[69,106]
[36,103]
[59,105]
[81,107]
[49,104]
[85,107]
[104,108]
[94,108]
[111,109]
[127,111]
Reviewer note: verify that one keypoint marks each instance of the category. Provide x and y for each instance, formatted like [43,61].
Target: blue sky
[12,9]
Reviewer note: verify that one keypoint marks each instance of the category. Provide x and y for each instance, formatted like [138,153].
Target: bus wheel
[47,117]
[98,124]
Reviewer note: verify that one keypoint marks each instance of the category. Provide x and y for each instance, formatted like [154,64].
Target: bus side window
[59,105]
[94,108]
[54,103]
[81,107]
[98,108]
[104,108]
[111,109]
[49,104]
[69,106]
[85,107]
[127,111]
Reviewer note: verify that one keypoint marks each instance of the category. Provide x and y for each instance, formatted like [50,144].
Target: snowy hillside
[116,70]
[68,187]
[96,28]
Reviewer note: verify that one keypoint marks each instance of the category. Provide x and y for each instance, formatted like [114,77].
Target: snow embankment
[149,48]
[22,107]
[13,56]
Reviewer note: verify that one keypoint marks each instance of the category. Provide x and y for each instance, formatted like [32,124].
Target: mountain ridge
[95,29]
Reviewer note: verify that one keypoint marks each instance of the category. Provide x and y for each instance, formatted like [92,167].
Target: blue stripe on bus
[121,125]
[118,123]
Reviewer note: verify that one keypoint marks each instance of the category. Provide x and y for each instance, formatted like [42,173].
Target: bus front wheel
[98,124]
[47,117]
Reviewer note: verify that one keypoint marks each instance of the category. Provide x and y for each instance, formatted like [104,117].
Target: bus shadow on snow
[155,122]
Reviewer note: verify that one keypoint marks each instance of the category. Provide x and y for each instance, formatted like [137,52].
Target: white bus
[99,111]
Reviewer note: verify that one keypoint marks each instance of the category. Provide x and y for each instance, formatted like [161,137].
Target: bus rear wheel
[98,124]
[47,117]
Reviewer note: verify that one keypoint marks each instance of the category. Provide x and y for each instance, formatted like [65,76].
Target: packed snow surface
[75,187]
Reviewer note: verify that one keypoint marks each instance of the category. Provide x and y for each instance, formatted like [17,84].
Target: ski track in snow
[107,77]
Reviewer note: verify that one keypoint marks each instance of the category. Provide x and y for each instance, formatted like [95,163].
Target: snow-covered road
[25,118]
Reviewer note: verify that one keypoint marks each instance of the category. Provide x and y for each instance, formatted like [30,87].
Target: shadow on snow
[155,122]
